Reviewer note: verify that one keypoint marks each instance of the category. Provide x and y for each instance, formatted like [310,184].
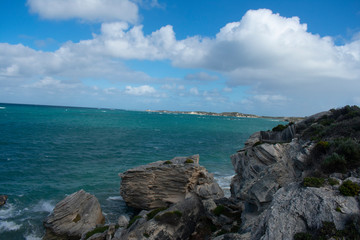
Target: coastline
[228,114]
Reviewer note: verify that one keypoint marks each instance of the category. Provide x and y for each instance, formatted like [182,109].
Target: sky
[273,58]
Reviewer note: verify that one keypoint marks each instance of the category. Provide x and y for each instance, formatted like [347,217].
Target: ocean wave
[7,211]
[32,237]
[224,183]
[2,107]
[6,226]
[115,198]
[44,206]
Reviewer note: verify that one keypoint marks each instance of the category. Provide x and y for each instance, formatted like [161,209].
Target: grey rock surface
[263,169]
[73,216]
[297,209]
[176,222]
[162,183]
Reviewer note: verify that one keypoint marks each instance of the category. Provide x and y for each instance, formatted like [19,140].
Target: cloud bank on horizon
[264,64]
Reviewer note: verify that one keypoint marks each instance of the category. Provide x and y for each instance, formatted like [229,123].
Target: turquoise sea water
[49,152]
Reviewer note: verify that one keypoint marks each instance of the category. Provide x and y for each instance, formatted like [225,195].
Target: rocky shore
[299,181]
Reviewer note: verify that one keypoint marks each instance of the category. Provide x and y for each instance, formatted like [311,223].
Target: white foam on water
[115,198]
[44,206]
[224,183]
[7,211]
[6,226]
[2,107]
[32,237]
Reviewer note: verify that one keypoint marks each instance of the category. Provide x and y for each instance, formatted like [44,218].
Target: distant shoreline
[228,114]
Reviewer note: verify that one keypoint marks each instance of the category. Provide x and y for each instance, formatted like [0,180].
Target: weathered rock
[263,169]
[283,136]
[298,209]
[176,222]
[162,183]
[123,221]
[3,199]
[76,214]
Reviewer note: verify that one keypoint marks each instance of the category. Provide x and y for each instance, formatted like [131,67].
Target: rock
[263,169]
[176,222]
[123,221]
[283,136]
[73,216]
[3,199]
[162,183]
[298,209]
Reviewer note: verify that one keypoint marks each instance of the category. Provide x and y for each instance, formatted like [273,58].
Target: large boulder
[3,199]
[298,209]
[162,183]
[76,214]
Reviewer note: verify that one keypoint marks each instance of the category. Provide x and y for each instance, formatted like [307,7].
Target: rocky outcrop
[73,216]
[177,222]
[263,169]
[285,135]
[3,199]
[298,209]
[270,170]
[163,183]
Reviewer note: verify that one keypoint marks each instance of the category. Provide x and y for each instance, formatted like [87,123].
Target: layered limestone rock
[162,183]
[298,209]
[263,169]
[73,216]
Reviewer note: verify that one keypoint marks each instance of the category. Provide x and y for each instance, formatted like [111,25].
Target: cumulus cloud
[90,10]
[276,58]
[140,91]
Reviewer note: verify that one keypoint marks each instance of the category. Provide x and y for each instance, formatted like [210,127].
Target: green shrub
[219,210]
[257,143]
[133,220]
[350,150]
[323,146]
[152,214]
[279,128]
[100,229]
[313,182]
[338,209]
[349,188]
[146,235]
[302,236]
[168,162]
[334,163]
[333,181]
[189,160]
[169,217]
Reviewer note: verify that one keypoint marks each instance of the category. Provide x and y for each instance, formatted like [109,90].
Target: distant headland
[228,114]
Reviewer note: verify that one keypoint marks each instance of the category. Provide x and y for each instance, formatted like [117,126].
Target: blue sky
[261,57]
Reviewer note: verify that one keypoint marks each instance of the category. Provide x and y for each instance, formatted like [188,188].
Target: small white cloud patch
[140,91]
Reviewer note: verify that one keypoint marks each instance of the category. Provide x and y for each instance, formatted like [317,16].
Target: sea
[47,153]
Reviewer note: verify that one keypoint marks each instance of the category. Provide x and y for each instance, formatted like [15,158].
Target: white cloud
[51,83]
[201,76]
[140,91]
[276,58]
[194,91]
[90,10]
